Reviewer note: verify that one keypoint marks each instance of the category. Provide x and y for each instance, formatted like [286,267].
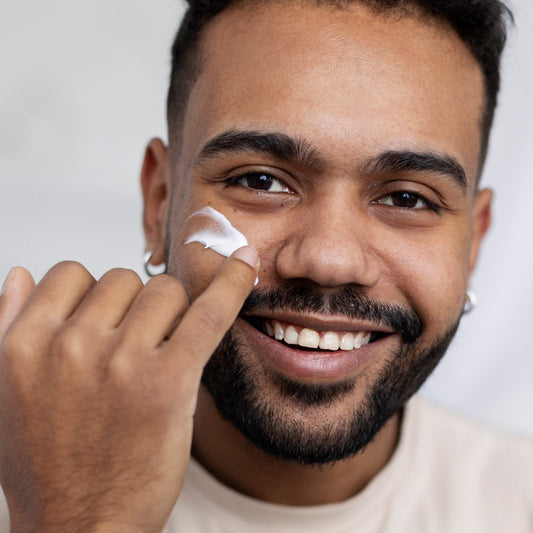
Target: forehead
[348,80]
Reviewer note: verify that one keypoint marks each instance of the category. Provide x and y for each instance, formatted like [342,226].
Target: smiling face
[344,146]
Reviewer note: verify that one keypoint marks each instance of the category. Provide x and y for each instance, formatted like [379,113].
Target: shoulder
[471,469]
[463,439]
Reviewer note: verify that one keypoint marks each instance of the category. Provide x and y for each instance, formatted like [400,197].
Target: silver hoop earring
[470,301]
[153,270]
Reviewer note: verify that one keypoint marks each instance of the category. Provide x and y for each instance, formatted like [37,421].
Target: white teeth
[358,340]
[308,338]
[329,341]
[347,342]
[366,339]
[291,335]
[278,331]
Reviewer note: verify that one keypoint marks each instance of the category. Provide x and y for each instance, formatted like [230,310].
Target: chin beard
[300,422]
[239,399]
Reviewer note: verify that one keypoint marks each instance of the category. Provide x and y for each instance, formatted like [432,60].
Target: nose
[331,246]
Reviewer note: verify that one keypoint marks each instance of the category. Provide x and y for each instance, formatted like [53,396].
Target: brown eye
[259,181]
[408,200]
[405,199]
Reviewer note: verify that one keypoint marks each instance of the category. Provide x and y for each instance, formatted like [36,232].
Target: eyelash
[237,181]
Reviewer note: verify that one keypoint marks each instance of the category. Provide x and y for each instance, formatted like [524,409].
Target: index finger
[211,315]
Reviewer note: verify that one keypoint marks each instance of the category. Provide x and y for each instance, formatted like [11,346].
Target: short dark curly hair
[480,24]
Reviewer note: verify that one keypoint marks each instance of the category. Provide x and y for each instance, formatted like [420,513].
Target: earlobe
[156,187]
[481,218]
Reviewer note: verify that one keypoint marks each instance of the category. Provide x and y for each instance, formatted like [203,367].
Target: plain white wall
[83,87]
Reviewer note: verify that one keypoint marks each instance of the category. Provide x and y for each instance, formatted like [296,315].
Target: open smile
[314,349]
[306,337]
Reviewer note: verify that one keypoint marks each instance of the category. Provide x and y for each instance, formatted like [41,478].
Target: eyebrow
[279,145]
[407,161]
[300,151]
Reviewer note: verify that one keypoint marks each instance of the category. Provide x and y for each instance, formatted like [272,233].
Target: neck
[234,461]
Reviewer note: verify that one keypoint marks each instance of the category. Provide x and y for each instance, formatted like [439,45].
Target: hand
[98,388]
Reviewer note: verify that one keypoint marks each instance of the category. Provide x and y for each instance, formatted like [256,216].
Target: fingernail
[7,281]
[249,255]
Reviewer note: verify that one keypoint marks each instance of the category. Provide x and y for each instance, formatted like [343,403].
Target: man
[345,140]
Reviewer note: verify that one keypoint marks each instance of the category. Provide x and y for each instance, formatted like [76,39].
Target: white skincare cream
[216,233]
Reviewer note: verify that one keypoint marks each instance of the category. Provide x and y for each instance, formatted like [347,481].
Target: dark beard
[237,395]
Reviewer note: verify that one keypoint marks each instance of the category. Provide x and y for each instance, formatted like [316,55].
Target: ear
[481,218]
[156,184]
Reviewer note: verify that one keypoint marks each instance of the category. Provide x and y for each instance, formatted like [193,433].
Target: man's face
[344,145]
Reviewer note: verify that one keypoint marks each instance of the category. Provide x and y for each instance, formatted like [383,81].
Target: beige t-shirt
[448,475]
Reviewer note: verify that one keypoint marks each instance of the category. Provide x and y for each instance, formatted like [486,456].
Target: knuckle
[70,342]
[69,266]
[124,276]
[168,286]
[19,358]
[22,343]
[210,316]
[16,366]
[72,271]
[13,347]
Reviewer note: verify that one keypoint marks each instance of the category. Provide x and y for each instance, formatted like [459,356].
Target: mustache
[346,301]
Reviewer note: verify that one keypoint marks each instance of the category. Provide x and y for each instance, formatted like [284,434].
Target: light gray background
[83,87]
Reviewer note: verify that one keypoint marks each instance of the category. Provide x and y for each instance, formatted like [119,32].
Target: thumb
[16,289]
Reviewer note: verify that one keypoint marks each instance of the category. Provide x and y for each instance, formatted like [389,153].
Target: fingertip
[17,279]
[23,279]
[248,254]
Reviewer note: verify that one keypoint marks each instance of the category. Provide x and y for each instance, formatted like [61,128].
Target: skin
[351,84]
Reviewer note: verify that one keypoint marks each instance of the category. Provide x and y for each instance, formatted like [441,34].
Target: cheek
[432,272]
[194,266]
